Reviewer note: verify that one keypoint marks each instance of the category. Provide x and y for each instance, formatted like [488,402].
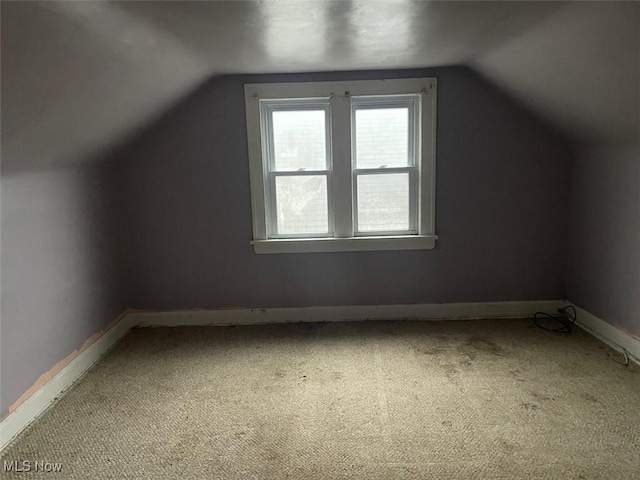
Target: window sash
[272,207]
[271,172]
[413,103]
[413,200]
[293,105]
[369,102]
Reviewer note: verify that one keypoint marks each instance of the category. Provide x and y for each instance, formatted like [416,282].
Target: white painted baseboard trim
[609,334]
[36,404]
[432,311]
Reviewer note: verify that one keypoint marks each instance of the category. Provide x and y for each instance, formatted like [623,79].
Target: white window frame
[412,102]
[270,174]
[342,99]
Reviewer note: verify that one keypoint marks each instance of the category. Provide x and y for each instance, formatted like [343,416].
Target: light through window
[352,162]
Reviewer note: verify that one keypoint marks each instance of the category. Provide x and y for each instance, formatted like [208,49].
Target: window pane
[382,137]
[301,204]
[299,140]
[383,202]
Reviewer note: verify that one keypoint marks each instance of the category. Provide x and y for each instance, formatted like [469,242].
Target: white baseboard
[608,333]
[42,398]
[432,311]
[37,403]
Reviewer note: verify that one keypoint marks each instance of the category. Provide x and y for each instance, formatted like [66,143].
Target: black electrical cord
[566,319]
[626,358]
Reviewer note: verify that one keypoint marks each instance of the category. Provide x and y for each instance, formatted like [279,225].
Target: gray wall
[58,282]
[183,224]
[603,275]
[502,206]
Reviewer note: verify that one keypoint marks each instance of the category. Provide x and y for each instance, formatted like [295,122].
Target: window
[342,166]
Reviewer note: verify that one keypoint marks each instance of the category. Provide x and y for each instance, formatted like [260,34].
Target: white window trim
[339,94]
[413,169]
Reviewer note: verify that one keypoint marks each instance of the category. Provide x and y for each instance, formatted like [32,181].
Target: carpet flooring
[486,399]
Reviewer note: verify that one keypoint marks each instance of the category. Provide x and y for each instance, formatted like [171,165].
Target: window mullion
[341,150]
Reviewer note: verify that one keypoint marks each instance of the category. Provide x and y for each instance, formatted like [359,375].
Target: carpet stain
[529,405]
[588,397]
[516,373]
[187,442]
[506,446]
[540,397]
[483,344]
[451,372]
[345,400]
[431,349]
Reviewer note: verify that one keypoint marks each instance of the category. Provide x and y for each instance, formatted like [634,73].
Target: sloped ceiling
[580,68]
[79,77]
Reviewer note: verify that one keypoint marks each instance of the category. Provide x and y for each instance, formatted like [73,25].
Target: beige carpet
[373,400]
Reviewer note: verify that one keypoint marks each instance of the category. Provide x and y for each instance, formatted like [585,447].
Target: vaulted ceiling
[80,77]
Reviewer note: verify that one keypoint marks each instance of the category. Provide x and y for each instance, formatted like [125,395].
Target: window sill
[353,244]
